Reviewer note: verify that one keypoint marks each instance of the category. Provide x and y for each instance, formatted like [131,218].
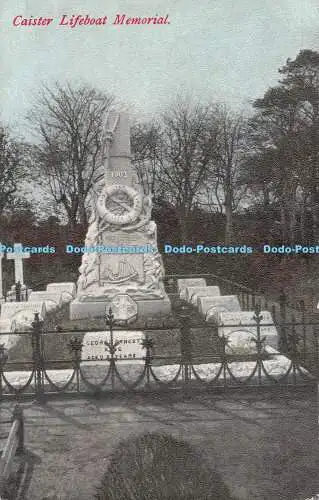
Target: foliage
[158,467]
[12,168]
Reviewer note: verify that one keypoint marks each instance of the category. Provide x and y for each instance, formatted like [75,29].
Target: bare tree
[223,190]
[188,140]
[12,168]
[228,160]
[69,124]
[146,150]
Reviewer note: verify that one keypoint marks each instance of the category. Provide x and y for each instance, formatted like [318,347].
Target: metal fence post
[186,343]
[38,367]
[112,346]
[76,348]
[260,343]
[148,344]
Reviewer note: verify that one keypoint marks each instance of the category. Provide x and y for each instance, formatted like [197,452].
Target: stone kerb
[194,292]
[230,326]
[53,300]
[67,290]
[183,283]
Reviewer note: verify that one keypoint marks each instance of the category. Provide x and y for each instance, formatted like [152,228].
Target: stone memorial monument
[121,255]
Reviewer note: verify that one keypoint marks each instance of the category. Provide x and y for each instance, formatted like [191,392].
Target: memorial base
[146,309]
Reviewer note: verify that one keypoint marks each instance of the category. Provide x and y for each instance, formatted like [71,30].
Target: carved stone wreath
[131,213]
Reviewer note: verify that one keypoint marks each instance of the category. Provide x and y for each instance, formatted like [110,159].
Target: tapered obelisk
[126,267]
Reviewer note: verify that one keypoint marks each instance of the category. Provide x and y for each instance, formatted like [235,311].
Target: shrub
[159,467]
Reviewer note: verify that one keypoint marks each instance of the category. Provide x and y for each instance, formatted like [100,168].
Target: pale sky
[226,50]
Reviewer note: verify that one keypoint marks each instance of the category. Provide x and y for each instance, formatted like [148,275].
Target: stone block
[183,283]
[241,327]
[194,292]
[53,300]
[146,309]
[206,302]
[67,290]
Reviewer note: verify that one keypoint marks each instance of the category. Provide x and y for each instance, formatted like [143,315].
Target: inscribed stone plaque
[123,265]
[128,351]
[183,283]
[239,322]
[124,307]
[193,292]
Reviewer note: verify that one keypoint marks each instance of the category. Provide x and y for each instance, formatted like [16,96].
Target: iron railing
[215,367]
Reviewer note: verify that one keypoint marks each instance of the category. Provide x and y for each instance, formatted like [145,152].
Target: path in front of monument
[264,445]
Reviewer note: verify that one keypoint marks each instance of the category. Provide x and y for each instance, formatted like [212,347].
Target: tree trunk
[315,212]
[228,208]
[82,212]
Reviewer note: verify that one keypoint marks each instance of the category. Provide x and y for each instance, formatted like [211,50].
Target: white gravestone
[229,303]
[22,313]
[9,310]
[53,300]
[205,303]
[194,292]
[8,326]
[18,255]
[130,346]
[67,290]
[183,283]
[238,323]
